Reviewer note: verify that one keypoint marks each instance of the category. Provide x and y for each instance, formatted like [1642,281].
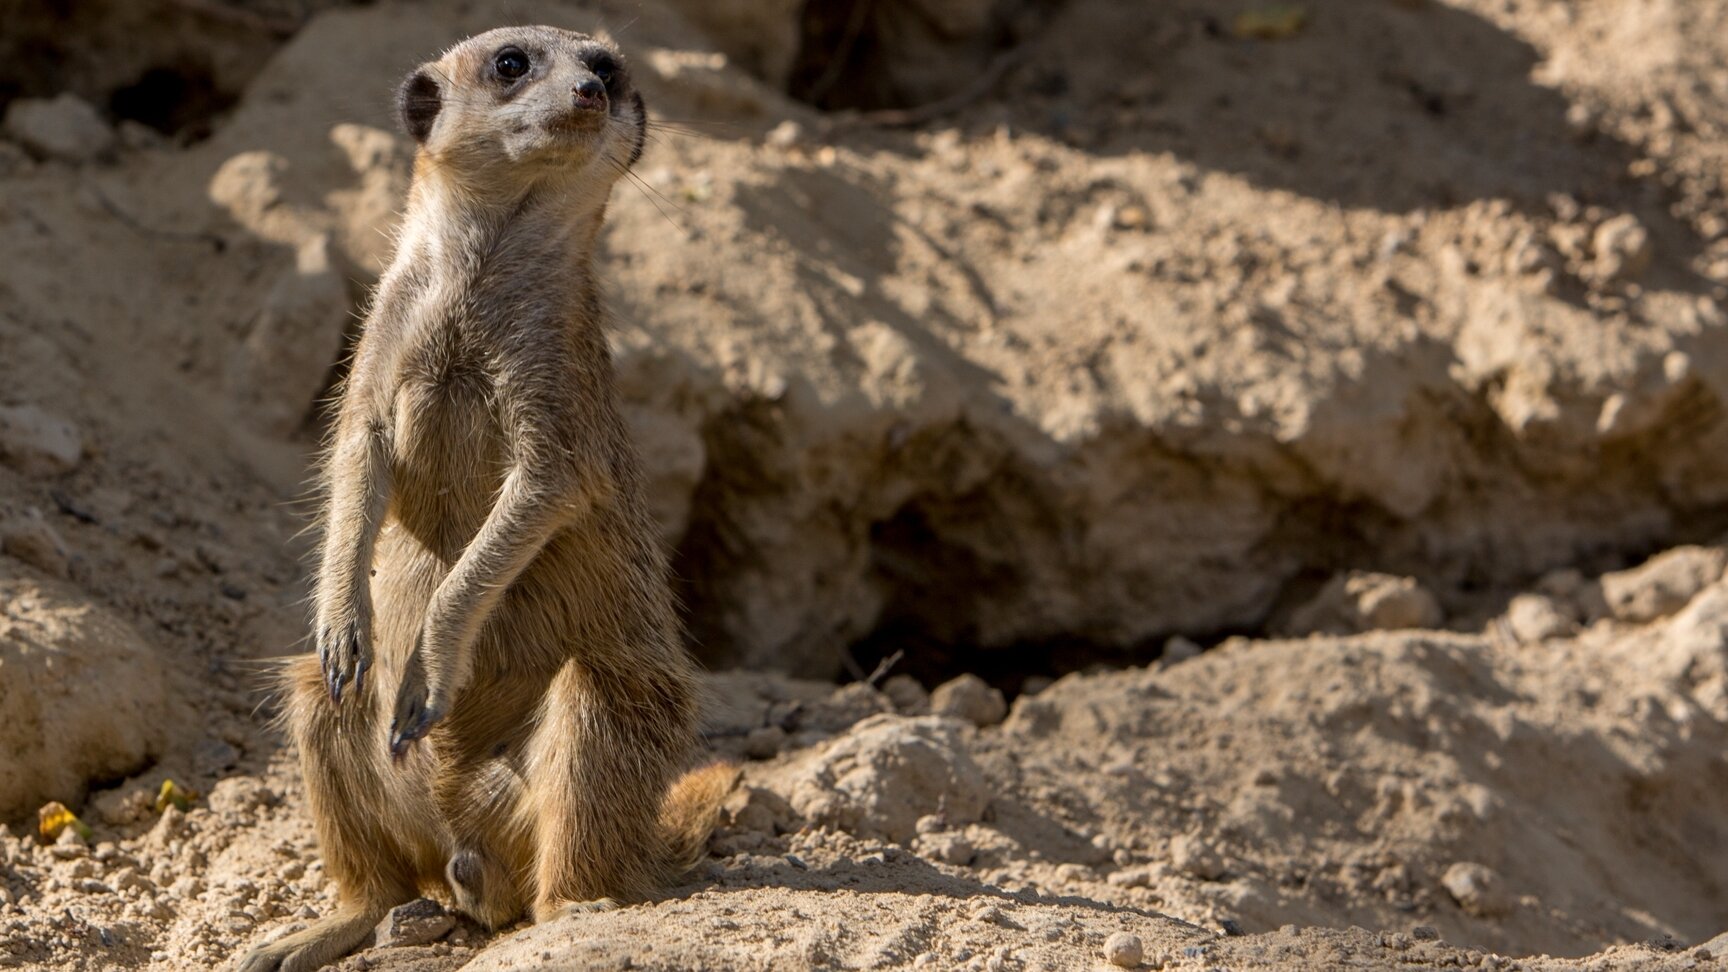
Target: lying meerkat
[501,703]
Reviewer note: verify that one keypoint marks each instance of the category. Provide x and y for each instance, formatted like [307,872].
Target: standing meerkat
[501,704]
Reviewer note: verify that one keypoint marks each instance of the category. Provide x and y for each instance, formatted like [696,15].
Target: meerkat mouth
[577,122]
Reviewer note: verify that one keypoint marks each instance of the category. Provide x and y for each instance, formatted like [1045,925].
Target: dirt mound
[1148,329]
[1112,365]
[82,696]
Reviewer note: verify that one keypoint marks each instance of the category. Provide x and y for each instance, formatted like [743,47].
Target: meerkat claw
[344,659]
[330,658]
[415,717]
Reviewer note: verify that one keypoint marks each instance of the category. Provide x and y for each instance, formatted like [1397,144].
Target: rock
[14,160]
[908,695]
[1360,601]
[880,778]
[1193,856]
[65,127]
[1716,948]
[1622,248]
[214,757]
[1130,217]
[38,443]
[949,847]
[845,707]
[1663,584]
[1123,950]
[970,698]
[785,135]
[249,187]
[419,922]
[1477,889]
[282,366]
[1178,650]
[30,539]
[1574,594]
[121,806]
[764,742]
[1534,618]
[757,809]
[83,696]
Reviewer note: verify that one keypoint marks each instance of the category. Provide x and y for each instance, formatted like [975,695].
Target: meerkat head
[526,103]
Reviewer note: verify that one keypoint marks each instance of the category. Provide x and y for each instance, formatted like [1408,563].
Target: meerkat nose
[590,94]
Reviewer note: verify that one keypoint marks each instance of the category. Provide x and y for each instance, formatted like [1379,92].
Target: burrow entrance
[888,54]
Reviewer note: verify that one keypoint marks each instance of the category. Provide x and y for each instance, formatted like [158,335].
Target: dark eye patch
[607,70]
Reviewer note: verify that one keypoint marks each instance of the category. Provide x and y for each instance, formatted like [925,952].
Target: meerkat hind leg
[343,768]
[594,803]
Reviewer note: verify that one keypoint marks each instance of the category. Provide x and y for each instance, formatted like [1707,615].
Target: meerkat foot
[305,951]
[553,910]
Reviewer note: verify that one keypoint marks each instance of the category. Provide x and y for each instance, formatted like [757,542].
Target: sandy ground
[1321,442]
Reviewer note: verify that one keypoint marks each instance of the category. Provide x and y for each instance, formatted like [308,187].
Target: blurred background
[1303,423]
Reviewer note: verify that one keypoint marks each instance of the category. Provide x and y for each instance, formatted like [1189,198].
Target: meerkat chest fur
[500,339]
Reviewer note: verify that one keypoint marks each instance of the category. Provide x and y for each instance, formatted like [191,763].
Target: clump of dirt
[1159,334]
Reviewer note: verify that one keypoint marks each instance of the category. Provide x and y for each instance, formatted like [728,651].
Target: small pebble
[419,922]
[970,698]
[1132,217]
[785,135]
[909,697]
[63,127]
[1179,649]
[1123,950]
[764,742]
[38,443]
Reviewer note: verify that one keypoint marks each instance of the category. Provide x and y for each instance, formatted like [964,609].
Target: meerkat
[501,708]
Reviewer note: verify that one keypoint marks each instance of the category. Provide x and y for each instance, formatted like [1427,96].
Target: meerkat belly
[446,454]
[448,459]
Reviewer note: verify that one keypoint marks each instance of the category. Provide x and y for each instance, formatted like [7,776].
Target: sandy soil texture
[1279,464]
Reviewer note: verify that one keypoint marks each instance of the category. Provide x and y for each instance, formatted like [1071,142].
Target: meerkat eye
[510,63]
[605,69]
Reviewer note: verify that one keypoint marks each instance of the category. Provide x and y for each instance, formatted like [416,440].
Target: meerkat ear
[418,102]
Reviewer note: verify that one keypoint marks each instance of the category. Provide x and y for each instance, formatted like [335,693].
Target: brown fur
[501,703]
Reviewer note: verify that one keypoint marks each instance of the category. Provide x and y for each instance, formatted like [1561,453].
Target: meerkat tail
[690,811]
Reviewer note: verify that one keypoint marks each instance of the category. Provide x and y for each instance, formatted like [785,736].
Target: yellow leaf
[173,795]
[1275,22]
[53,819]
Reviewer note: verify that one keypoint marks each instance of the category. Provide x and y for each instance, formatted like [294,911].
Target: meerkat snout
[591,95]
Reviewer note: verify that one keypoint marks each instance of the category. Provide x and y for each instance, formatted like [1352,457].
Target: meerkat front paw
[344,650]
[419,706]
